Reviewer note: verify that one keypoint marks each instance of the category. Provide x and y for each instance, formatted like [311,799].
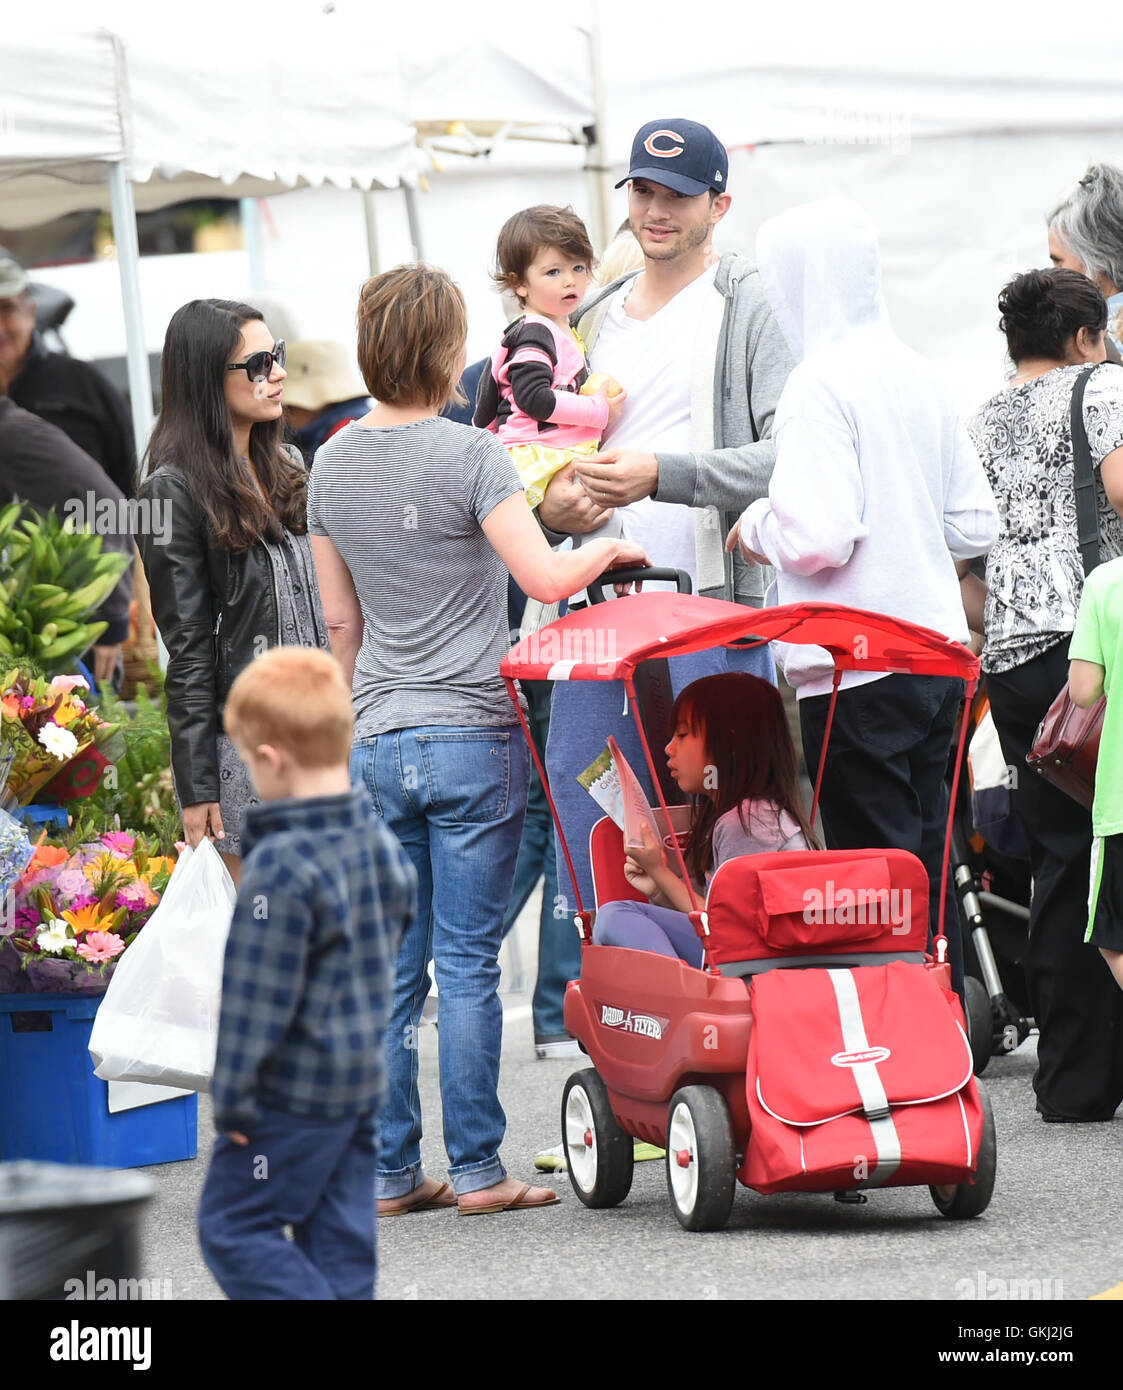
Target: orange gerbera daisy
[89,918]
[47,856]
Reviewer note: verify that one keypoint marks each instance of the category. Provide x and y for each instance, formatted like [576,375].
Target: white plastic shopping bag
[158,1022]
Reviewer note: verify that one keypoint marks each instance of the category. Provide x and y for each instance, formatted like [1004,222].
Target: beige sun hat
[320,373]
[13,278]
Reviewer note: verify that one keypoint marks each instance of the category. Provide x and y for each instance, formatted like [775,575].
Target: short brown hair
[413,327]
[296,699]
[524,235]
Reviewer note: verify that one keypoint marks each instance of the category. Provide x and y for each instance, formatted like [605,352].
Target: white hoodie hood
[821,269]
[877,487]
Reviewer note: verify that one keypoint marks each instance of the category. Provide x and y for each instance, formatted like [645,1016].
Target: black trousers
[1074,997]
[883,785]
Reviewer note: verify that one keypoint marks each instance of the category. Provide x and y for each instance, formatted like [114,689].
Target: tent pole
[251,231]
[596,158]
[128,265]
[414,220]
[147,641]
[370,220]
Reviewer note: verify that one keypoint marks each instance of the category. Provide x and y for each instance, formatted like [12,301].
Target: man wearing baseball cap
[692,340]
[695,345]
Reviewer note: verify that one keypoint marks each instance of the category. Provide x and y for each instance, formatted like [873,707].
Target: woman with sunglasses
[227,552]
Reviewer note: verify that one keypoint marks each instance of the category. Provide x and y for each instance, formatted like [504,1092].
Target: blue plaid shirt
[326,893]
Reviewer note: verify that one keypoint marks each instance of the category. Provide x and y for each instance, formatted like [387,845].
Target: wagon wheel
[962,1200]
[701,1158]
[598,1153]
[980,1022]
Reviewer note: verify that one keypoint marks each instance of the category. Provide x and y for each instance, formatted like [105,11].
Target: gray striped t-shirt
[403,506]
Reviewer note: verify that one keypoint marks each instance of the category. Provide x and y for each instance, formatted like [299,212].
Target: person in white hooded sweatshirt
[877,493]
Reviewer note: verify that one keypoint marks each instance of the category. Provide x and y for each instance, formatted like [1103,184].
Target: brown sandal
[523,1200]
[415,1201]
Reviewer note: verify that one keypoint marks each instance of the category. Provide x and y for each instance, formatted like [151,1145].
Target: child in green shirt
[1096,666]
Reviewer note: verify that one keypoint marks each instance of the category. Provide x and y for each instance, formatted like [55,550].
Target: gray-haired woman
[1086,235]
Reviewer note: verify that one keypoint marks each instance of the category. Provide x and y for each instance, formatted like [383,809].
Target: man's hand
[618,476]
[105,663]
[566,507]
[752,557]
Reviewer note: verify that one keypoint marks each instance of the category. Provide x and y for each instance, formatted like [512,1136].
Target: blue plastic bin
[53,1107]
[48,814]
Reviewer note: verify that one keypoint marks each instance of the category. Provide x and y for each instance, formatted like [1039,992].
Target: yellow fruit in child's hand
[598,379]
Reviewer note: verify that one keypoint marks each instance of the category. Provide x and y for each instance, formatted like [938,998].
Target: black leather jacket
[216,611]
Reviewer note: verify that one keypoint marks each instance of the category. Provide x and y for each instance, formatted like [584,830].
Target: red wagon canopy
[607,641]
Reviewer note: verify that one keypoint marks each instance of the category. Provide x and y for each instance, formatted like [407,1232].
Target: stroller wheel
[598,1152]
[980,1022]
[701,1158]
[969,1198]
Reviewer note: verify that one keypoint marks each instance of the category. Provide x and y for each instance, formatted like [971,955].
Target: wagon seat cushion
[798,905]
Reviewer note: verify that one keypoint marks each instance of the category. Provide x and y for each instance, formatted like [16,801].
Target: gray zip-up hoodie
[733,399]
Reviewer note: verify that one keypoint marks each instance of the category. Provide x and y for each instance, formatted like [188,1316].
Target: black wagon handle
[679,578]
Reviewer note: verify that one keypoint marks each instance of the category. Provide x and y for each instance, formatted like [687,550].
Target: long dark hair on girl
[749,756]
[194,432]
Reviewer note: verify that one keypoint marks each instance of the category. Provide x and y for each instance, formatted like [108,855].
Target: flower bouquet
[49,737]
[74,911]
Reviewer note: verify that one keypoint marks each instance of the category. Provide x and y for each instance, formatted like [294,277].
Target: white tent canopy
[192,117]
[91,114]
[958,128]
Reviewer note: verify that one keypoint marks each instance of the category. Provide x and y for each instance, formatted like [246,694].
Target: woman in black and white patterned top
[1054,322]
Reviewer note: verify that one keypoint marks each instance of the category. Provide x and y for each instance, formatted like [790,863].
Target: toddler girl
[531,395]
[731,750]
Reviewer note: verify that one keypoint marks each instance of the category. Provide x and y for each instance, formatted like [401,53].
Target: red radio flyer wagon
[820,1047]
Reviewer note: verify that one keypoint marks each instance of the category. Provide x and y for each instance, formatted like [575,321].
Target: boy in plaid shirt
[325,894]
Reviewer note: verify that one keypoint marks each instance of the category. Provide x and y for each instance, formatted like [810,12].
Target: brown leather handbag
[1066,746]
[1067,743]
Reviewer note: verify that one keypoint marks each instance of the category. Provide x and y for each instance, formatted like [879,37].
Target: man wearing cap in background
[692,340]
[323,392]
[60,389]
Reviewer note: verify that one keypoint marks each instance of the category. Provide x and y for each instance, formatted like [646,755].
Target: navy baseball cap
[679,154]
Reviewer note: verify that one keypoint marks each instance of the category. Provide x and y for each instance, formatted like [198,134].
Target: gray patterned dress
[302,624]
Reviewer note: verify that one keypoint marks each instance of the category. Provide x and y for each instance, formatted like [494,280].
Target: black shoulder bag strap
[1084,480]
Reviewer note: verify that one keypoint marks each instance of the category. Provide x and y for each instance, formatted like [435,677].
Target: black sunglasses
[261,363]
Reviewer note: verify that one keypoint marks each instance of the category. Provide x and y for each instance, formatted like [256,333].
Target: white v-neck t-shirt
[651,358]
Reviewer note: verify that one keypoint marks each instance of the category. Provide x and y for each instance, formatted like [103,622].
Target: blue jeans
[559,947]
[316,1176]
[455,798]
[584,713]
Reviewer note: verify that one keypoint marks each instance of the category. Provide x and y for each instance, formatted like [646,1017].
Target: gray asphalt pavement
[1053,1218]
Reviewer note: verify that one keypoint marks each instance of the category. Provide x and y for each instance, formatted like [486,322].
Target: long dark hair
[194,432]
[750,753]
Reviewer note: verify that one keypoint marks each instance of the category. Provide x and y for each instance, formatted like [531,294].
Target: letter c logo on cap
[662,152]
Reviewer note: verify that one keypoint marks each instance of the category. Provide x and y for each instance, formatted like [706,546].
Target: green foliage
[140,755]
[52,577]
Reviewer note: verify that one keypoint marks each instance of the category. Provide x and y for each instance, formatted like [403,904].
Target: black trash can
[60,1224]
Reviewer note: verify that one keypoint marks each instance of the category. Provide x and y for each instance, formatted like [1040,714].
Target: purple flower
[72,883]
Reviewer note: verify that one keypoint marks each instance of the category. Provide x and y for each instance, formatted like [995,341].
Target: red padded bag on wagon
[858,1078]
